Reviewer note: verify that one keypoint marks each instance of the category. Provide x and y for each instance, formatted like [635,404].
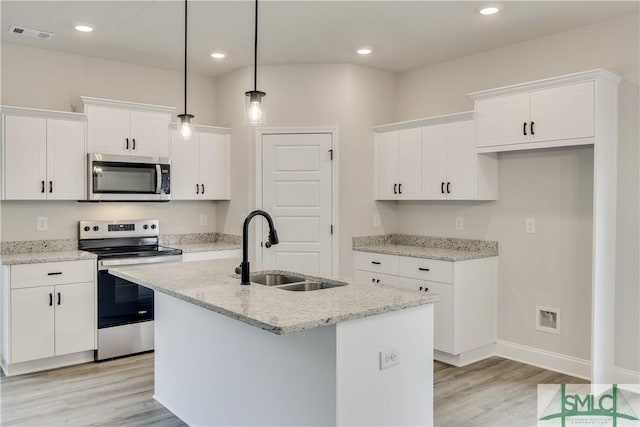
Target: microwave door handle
[158,179]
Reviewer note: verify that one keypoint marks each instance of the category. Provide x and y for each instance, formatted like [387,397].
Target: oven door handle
[158,178]
[106,263]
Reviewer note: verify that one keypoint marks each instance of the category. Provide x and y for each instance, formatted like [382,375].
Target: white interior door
[297,193]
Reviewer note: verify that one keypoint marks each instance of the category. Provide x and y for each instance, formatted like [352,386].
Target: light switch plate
[42,223]
[389,358]
[376,220]
[459,223]
[530,225]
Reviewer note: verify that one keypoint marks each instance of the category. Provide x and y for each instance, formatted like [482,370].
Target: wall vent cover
[28,32]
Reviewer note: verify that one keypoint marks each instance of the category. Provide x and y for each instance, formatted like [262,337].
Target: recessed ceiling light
[218,55]
[364,51]
[490,9]
[84,28]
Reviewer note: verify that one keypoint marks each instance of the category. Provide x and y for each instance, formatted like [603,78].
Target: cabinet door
[185,183]
[564,112]
[75,318]
[108,130]
[26,157]
[500,121]
[386,165]
[149,133]
[434,162]
[32,319]
[214,166]
[410,164]
[66,160]
[443,339]
[461,161]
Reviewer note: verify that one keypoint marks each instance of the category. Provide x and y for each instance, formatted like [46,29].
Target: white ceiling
[404,34]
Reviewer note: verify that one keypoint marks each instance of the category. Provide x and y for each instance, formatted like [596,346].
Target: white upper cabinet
[555,112]
[433,159]
[45,155]
[125,128]
[200,167]
[448,161]
[398,164]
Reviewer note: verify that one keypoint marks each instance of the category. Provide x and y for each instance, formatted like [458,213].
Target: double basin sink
[290,282]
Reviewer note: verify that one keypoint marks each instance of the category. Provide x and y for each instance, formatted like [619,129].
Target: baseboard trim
[564,364]
[626,376]
[467,358]
[46,364]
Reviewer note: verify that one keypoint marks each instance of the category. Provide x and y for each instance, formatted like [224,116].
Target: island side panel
[214,370]
[398,395]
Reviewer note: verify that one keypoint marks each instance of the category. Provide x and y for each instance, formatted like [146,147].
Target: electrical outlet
[459,223]
[376,220]
[530,225]
[389,358]
[42,223]
[203,219]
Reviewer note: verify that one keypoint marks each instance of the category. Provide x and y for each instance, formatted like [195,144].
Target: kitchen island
[228,354]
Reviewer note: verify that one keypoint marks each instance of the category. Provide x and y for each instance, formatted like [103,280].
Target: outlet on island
[389,358]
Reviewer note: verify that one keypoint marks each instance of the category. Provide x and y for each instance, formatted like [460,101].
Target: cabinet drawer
[379,263]
[377,278]
[52,273]
[426,269]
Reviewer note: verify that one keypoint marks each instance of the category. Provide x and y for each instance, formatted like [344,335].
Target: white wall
[552,267]
[350,97]
[53,80]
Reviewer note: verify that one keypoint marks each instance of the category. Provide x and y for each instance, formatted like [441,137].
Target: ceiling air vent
[28,32]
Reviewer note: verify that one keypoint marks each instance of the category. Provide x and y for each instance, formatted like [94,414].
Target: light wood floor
[491,393]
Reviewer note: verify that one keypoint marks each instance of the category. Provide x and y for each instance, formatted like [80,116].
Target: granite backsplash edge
[452,243]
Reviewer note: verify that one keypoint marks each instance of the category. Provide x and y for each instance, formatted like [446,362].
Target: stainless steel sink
[311,286]
[274,279]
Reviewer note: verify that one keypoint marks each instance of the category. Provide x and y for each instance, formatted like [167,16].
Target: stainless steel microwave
[128,178]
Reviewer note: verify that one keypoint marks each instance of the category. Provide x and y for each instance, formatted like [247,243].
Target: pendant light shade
[186,127]
[254,110]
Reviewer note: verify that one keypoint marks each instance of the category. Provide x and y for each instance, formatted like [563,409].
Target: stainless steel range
[125,309]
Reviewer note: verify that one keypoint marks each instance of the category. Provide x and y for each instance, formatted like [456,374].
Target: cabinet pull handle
[524,128]
[533,130]
[127,143]
[373,280]
[50,186]
[426,289]
[378,281]
[42,186]
[202,188]
[59,298]
[133,147]
[395,186]
[50,299]
[448,190]
[423,269]
[197,189]
[375,262]
[420,287]
[442,187]
[55,273]
[399,188]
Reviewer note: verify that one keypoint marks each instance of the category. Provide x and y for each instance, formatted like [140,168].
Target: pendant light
[186,128]
[254,108]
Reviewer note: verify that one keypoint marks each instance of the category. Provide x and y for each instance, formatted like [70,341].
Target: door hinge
[331,229]
[331,154]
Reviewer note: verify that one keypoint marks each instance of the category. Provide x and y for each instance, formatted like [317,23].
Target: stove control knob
[153,226]
[87,228]
[146,226]
[96,228]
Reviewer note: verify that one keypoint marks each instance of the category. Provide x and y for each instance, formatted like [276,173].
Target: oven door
[121,302]
[133,178]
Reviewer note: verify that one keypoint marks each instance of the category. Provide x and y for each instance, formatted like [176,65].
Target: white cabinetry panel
[32,318]
[66,160]
[74,318]
[502,121]
[25,142]
[149,133]
[108,130]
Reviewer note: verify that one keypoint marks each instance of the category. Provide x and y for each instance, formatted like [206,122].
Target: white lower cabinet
[464,318]
[47,322]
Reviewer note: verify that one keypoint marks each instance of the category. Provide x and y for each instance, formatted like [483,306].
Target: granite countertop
[37,257]
[206,247]
[212,285]
[437,248]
